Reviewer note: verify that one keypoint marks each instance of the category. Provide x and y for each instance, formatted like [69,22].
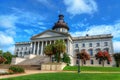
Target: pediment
[49,33]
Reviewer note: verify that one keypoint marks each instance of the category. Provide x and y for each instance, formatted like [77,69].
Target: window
[90,44]
[92,62]
[108,62]
[97,44]
[106,49]
[76,45]
[105,43]
[17,49]
[83,45]
[84,62]
[91,52]
[77,61]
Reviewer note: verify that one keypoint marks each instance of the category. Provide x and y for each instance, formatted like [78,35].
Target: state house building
[60,30]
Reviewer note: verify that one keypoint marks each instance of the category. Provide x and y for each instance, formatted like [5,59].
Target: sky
[21,19]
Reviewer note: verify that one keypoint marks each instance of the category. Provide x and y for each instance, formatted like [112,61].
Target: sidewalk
[27,72]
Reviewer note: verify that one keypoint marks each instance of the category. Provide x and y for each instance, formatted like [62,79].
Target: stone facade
[91,43]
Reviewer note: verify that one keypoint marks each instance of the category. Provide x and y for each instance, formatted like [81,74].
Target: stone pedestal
[53,66]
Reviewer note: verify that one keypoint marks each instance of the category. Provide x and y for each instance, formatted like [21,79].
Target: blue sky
[20,19]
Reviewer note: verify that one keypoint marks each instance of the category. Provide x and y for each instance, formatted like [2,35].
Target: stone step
[35,61]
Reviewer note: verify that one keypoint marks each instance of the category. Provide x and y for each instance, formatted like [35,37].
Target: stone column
[31,48]
[68,47]
[46,43]
[41,48]
[38,48]
[50,42]
[34,47]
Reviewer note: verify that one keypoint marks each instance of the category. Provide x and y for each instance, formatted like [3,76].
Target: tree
[117,59]
[2,59]
[59,48]
[66,58]
[8,56]
[1,52]
[83,56]
[102,56]
[48,50]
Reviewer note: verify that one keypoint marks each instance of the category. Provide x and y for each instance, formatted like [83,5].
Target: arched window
[98,49]
[106,49]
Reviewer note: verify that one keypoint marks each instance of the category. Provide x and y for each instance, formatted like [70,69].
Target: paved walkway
[28,72]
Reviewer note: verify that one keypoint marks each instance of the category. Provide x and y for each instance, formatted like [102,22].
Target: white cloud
[6,40]
[47,3]
[113,29]
[76,7]
[29,31]
[8,21]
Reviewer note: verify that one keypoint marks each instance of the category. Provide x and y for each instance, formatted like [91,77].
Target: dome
[60,23]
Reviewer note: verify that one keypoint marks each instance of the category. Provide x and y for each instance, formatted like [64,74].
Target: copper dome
[61,23]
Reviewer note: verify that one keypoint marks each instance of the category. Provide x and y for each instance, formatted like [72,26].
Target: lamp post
[78,60]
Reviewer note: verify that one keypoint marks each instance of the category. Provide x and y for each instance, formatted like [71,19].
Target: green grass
[69,76]
[86,68]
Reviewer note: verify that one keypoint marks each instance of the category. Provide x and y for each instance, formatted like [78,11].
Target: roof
[103,36]
[66,34]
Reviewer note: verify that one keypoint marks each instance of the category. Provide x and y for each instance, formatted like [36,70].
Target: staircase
[35,61]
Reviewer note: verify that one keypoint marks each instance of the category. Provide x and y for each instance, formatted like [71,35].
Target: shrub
[8,56]
[16,69]
[66,58]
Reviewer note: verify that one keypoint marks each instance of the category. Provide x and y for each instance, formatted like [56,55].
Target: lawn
[86,68]
[69,76]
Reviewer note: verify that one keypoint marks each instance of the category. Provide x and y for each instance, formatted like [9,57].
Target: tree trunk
[50,59]
[103,63]
[82,62]
[58,57]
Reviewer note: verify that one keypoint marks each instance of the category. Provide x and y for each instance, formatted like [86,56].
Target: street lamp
[78,60]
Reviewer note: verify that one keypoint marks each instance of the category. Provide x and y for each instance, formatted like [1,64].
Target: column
[34,47]
[50,42]
[68,47]
[31,48]
[46,43]
[41,49]
[38,48]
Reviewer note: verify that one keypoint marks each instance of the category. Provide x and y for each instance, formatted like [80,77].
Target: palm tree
[84,56]
[59,47]
[48,50]
[102,56]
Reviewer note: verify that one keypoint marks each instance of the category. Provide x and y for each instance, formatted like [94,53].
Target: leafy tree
[2,59]
[117,59]
[1,52]
[66,58]
[102,56]
[8,56]
[48,50]
[59,48]
[83,56]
